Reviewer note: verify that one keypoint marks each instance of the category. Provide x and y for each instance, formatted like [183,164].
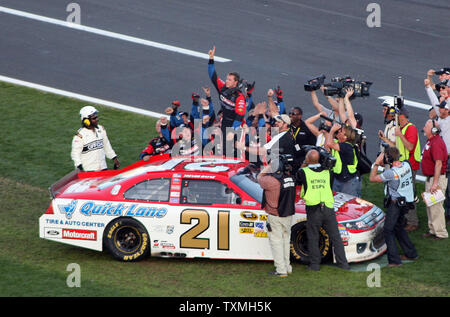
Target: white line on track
[114,35]
[81,97]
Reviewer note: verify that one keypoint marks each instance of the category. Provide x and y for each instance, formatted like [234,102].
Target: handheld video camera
[339,86]
[282,165]
[315,83]
[359,136]
[326,160]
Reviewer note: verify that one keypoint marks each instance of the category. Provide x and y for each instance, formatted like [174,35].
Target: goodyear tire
[126,240]
[299,244]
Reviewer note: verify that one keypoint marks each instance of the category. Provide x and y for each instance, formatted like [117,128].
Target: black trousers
[323,217]
[394,229]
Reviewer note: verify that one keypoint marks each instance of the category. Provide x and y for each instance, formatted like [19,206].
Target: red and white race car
[191,208]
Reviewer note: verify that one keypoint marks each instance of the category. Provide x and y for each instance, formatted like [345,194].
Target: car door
[217,225]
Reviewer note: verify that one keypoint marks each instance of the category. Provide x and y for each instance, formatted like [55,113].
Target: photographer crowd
[237,126]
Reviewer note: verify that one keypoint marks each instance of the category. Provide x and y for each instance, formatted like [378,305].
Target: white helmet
[85,114]
[87,111]
[389,102]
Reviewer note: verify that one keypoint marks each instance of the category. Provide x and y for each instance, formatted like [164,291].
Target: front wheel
[126,240]
[299,244]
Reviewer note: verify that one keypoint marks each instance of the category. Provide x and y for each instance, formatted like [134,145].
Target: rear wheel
[299,244]
[126,239]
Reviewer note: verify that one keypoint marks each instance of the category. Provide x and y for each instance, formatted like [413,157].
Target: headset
[87,122]
[435,130]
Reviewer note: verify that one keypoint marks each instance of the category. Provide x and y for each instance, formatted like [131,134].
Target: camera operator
[316,182]
[399,198]
[408,143]
[346,177]
[279,204]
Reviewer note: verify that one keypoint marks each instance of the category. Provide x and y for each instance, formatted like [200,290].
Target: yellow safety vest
[318,188]
[337,169]
[404,153]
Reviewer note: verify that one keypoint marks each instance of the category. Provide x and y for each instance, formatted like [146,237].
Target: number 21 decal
[190,238]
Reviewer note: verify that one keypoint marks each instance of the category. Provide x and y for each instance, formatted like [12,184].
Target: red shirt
[412,135]
[435,149]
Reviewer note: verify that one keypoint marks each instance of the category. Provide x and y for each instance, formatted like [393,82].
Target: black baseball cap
[445,70]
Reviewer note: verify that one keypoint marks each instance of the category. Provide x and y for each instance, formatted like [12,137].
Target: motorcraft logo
[79,234]
[111,209]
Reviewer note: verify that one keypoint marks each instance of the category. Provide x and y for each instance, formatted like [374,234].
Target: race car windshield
[249,185]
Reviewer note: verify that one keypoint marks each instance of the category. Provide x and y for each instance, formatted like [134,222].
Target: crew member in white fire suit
[91,145]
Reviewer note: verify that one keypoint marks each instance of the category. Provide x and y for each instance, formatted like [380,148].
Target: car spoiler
[54,188]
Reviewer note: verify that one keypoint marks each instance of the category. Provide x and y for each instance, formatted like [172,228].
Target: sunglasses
[294,113]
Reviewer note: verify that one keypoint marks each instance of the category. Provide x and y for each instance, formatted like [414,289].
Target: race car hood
[347,207]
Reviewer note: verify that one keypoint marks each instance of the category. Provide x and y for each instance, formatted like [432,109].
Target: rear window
[150,190]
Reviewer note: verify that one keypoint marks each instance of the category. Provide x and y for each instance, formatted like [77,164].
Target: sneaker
[275,273]
[394,265]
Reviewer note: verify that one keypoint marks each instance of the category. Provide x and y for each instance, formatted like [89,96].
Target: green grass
[35,151]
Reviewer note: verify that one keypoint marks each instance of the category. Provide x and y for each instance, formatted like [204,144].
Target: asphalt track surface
[276,42]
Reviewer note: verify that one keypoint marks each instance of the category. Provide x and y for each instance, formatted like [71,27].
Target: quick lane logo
[68,209]
[91,209]
[79,234]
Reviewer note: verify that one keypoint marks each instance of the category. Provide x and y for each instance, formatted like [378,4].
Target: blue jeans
[351,187]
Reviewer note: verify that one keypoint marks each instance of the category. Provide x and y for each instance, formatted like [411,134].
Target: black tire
[126,239]
[299,244]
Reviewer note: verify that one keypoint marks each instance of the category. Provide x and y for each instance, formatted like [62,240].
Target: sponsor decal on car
[167,245]
[68,209]
[248,215]
[259,231]
[344,234]
[52,232]
[111,209]
[170,229]
[246,230]
[79,234]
